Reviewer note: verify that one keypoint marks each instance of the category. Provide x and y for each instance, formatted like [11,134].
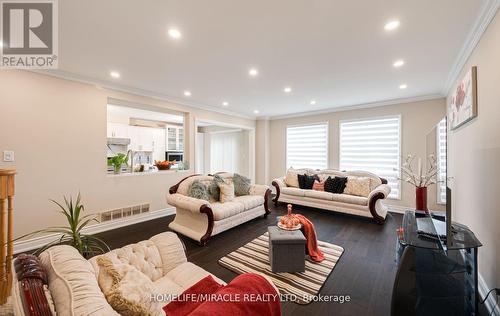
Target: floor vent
[119,213]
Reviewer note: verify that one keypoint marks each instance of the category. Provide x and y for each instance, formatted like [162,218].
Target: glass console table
[434,278]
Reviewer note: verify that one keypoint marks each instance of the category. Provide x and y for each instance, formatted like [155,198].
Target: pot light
[313,102]
[187,93]
[391,25]
[403,86]
[255,111]
[253,72]
[225,103]
[287,89]
[174,33]
[398,63]
[115,74]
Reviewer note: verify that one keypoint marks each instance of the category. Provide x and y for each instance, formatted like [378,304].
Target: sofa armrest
[280,182]
[186,202]
[258,189]
[385,189]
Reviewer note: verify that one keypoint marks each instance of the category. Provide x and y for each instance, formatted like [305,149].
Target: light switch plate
[8,156]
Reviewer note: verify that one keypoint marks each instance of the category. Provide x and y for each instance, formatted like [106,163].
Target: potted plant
[117,162]
[87,245]
[420,178]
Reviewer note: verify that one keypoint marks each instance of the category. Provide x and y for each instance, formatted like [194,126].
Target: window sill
[147,173]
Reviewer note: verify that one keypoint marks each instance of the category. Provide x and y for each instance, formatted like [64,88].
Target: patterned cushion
[241,185]
[359,186]
[226,191]
[291,178]
[213,188]
[319,186]
[198,190]
[127,289]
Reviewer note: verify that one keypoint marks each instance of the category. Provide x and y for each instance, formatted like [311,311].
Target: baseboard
[37,242]
[491,303]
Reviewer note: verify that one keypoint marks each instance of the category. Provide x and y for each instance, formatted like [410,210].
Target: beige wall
[417,120]
[474,161]
[57,129]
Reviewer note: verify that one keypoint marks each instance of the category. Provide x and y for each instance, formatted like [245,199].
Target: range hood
[118,141]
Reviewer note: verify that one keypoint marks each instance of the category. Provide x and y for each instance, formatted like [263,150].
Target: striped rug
[254,258]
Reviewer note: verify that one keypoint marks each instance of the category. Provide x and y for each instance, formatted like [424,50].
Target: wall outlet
[8,155]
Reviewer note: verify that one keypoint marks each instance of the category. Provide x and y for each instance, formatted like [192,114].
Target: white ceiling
[333,51]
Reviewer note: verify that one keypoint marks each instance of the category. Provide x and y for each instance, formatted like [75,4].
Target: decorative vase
[118,169]
[421,198]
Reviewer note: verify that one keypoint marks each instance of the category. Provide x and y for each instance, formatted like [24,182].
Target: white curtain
[224,152]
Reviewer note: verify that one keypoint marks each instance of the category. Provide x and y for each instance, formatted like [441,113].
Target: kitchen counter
[147,173]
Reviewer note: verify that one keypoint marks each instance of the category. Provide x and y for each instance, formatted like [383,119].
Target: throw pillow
[241,185]
[359,186]
[127,289]
[291,178]
[301,178]
[213,188]
[335,185]
[319,186]
[226,191]
[198,190]
[309,181]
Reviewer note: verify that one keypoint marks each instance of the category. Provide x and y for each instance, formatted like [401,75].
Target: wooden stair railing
[6,244]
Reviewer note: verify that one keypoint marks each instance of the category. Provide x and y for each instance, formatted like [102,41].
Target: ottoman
[286,250]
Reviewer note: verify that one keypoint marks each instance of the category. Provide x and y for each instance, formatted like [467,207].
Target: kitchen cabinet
[175,138]
[118,130]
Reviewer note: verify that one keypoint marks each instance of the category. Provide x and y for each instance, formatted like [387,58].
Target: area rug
[300,287]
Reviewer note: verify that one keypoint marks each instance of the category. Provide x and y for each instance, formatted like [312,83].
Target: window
[441,161]
[307,146]
[373,145]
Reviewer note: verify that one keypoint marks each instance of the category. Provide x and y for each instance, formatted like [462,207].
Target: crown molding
[140,92]
[360,106]
[486,15]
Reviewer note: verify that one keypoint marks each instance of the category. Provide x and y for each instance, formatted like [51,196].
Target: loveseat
[366,205]
[76,285]
[200,219]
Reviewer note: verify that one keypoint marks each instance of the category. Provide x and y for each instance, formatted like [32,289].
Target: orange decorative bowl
[164,165]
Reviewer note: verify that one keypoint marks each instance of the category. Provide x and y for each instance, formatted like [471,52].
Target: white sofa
[73,281]
[200,219]
[369,206]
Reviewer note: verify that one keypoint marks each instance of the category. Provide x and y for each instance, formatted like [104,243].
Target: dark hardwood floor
[365,271]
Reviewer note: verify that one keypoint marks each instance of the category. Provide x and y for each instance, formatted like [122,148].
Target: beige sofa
[73,281]
[367,206]
[200,219]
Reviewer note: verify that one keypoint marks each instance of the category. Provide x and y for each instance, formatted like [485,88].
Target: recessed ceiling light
[313,102]
[174,33]
[391,25]
[114,74]
[287,89]
[253,72]
[187,93]
[255,111]
[398,63]
[403,86]
[225,103]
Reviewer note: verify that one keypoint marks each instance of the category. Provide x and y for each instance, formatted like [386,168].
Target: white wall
[417,119]
[57,129]
[474,157]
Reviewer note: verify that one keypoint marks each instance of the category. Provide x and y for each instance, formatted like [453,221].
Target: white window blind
[441,161]
[372,145]
[307,146]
